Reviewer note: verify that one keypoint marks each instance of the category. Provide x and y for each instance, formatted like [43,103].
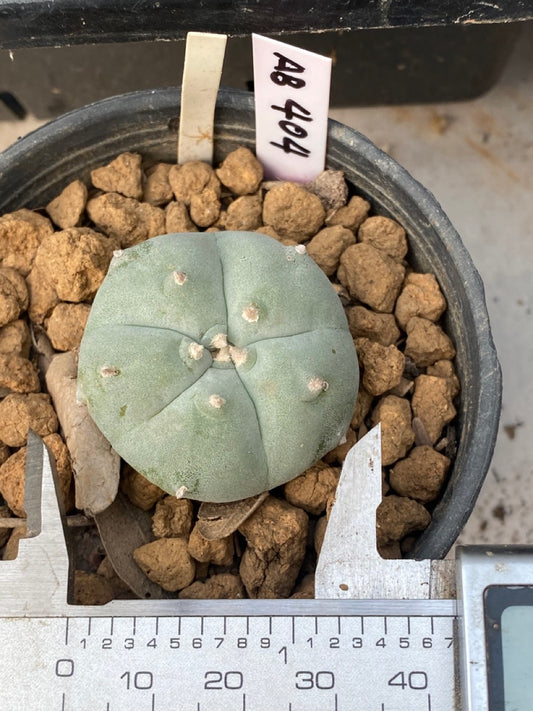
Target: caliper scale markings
[209,663]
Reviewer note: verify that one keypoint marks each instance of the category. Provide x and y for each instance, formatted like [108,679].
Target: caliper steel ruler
[391,650]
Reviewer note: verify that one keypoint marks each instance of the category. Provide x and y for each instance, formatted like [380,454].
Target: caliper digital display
[509,635]
[495,606]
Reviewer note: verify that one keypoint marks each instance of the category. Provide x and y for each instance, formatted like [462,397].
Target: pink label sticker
[291,109]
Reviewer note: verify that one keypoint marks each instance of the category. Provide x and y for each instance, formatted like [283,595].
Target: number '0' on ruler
[291,87]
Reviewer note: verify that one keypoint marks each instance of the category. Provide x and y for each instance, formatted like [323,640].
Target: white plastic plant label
[291,109]
[204,57]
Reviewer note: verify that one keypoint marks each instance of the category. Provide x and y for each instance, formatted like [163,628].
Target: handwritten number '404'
[293,110]
[283,71]
[289,145]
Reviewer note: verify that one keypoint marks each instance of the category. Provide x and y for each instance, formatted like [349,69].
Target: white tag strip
[291,109]
[204,58]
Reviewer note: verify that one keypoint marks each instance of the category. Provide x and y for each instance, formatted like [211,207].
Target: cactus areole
[219,365]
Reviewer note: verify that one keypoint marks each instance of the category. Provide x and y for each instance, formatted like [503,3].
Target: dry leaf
[96,465]
[123,527]
[217,521]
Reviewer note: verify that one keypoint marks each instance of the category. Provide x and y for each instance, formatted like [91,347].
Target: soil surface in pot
[52,262]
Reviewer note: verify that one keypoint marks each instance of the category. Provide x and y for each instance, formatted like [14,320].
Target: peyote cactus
[219,365]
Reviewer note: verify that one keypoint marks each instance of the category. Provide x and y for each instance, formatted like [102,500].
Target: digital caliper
[382,635]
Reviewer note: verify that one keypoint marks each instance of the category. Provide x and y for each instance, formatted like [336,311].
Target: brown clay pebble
[205,207]
[91,589]
[292,211]
[432,403]
[371,276]
[383,366]
[390,551]
[15,338]
[441,369]
[385,487]
[351,215]
[125,219]
[362,407]
[19,413]
[305,589]
[18,375]
[21,233]
[421,475]
[55,444]
[320,532]
[245,213]
[224,586]
[397,435]
[384,234]
[19,285]
[12,546]
[427,343]
[9,303]
[157,190]
[270,232]
[172,517]
[4,532]
[397,517]
[420,296]
[166,562]
[218,552]
[13,295]
[66,210]
[326,247]
[66,325]
[4,452]
[177,218]
[75,262]
[241,172]
[276,536]
[331,188]
[123,175]
[43,295]
[12,475]
[58,452]
[138,489]
[338,454]
[192,179]
[366,323]
[311,490]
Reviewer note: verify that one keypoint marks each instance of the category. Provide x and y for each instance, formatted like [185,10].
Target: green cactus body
[219,365]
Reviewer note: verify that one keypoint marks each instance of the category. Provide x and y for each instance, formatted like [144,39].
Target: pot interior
[39,166]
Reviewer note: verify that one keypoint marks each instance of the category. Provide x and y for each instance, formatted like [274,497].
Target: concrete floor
[477,159]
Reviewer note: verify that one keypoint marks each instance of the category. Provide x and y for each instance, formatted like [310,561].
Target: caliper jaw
[37,582]
[349,565]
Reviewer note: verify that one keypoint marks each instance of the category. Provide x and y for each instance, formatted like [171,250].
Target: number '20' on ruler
[291,109]
[398,657]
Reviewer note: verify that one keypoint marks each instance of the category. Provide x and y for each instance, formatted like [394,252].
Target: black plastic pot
[39,166]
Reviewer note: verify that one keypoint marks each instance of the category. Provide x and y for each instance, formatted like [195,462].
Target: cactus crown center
[224,352]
